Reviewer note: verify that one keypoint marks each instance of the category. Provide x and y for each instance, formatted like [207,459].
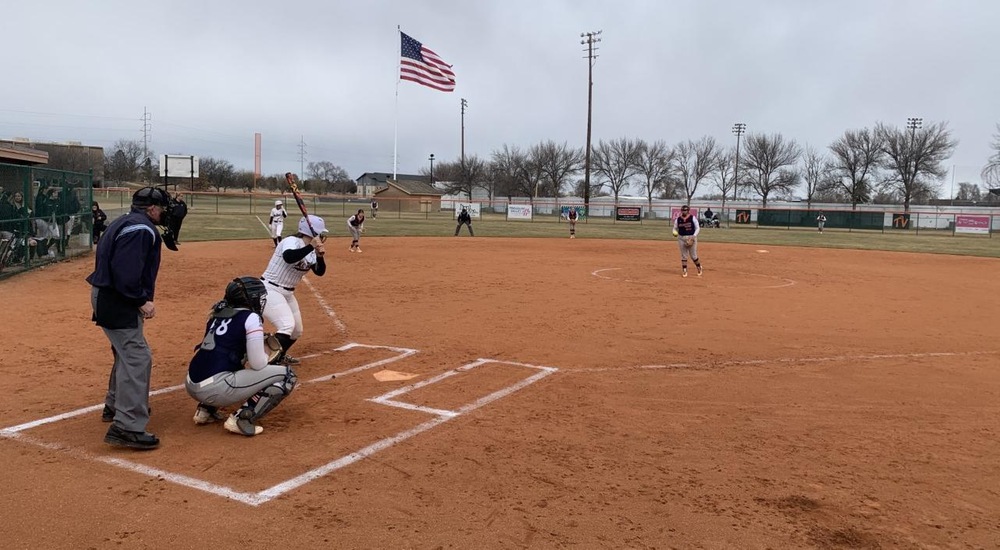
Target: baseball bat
[298,200]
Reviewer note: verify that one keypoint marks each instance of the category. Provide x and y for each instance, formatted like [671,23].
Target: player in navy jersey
[686,229]
[230,367]
[294,256]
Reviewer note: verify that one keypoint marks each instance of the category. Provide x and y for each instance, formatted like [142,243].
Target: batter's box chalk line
[439,416]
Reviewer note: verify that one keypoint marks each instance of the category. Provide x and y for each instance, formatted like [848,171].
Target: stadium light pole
[432,168]
[589,39]
[738,129]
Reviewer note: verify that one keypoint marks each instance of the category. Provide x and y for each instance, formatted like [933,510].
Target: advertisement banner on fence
[742,216]
[629,213]
[518,211]
[675,212]
[473,208]
[901,220]
[972,224]
[581,211]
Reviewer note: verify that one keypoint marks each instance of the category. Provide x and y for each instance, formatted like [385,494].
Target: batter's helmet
[248,292]
[318,225]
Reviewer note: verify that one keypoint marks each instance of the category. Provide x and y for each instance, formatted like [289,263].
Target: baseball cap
[277,203]
[150,196]
[317,223]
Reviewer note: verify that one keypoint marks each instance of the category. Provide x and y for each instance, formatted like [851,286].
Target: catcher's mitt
[272,347]
[689,241]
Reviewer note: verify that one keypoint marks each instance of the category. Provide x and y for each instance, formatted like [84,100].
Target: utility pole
[914,124]
[738,129]
[302,158]
[589,38]
[464,105]
[147,127]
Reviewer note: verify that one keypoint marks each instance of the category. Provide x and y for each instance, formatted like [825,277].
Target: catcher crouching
[232,366]
[686,229]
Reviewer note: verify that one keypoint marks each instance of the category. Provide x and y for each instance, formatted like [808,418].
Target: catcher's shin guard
[268,398]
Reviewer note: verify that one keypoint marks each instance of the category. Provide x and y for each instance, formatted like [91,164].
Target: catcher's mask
[174,211]
[248,292]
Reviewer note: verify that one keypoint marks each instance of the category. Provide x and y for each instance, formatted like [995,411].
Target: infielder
[572,216]
[356,225]
[294,256]
[277,221]
[686,229]
[230,365]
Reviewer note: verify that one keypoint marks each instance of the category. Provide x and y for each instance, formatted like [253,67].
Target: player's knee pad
[268,398]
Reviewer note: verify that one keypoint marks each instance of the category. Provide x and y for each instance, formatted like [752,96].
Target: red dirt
[795,398]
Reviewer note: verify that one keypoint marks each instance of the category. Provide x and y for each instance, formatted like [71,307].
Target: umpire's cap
[150,196]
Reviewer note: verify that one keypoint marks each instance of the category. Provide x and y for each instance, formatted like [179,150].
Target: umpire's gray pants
[128,385]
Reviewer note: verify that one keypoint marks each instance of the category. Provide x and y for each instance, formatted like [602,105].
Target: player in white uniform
[294,256]
[277,222]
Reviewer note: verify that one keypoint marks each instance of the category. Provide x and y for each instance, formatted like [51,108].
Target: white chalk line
[786,282]
[266,495]
[783,360]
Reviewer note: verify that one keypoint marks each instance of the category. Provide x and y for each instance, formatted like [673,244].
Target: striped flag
[423,66]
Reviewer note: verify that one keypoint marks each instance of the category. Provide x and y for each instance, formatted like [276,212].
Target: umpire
[124,283]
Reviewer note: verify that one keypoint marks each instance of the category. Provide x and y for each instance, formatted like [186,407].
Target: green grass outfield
[207,226]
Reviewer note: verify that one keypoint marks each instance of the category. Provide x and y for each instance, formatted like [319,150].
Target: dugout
[408,196]
[844,219]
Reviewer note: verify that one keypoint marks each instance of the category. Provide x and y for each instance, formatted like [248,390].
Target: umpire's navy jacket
[127,261]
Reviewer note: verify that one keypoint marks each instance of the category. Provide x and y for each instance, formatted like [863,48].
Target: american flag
[423,66]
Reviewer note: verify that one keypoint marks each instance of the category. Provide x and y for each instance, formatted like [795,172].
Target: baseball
[674,232]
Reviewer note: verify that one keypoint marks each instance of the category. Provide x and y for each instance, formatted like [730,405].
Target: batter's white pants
[282,311]
[276,229]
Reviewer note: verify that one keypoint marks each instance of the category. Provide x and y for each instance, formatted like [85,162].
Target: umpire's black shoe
[143,441]
[108,415]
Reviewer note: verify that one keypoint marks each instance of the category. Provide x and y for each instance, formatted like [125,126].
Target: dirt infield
[793,398]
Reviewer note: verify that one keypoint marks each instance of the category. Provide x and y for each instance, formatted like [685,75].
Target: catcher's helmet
[248,292]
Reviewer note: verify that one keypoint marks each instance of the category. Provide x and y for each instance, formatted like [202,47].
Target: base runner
[277,221]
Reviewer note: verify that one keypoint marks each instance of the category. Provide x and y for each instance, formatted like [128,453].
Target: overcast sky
[213,72]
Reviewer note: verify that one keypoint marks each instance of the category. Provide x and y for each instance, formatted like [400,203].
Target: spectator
[99,221]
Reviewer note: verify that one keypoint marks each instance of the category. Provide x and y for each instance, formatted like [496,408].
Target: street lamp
[738,129]
[432,168]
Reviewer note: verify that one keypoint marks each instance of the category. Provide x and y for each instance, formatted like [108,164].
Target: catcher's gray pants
[128,385]
[234,388]
[688,250]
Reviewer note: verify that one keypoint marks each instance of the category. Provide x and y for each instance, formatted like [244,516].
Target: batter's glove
[689,241]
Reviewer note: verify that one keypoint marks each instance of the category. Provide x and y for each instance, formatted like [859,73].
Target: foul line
[785,360]
[326,307]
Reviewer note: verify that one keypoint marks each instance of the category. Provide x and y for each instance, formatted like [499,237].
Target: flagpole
[395,129]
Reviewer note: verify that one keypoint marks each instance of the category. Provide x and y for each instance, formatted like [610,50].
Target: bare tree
[327,177]
[512,172]
[817,173]
[217,172]
[461,178]
[765,156]
[856,156]
[123,160]
[914,159]
[991,172]
[693,162]
[557,163]
[725,174]
[653,166]
[969,192]
[614,162]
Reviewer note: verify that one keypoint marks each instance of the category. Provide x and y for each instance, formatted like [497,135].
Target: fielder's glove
[689,241]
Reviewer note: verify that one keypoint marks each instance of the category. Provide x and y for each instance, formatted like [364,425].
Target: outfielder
[294,256]
[572,216]
[356,225]
[277,221]
[686,229]
[230,365]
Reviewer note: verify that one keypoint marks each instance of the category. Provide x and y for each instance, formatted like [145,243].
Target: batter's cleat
[684,272]
[700,271]
[108,415]
[142,441]
[207,414]
[242,426]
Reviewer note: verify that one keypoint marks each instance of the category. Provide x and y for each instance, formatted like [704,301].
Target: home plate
[763,251]
[392,376]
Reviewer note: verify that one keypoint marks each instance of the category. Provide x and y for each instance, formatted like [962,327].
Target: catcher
[686,229]
[231,365]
